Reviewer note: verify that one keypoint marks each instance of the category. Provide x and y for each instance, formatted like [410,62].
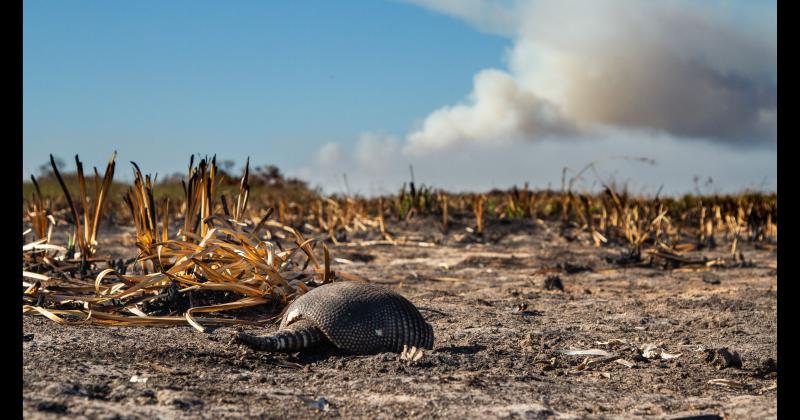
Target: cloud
[374,159]
[683,68]
[685,83]
[499,110]
[614,152]
[374,151]
[329,155]
[488,16]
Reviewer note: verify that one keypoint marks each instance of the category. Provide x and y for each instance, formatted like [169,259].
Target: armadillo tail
[284,341]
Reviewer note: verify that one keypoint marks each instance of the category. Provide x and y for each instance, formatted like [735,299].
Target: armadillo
[357,318]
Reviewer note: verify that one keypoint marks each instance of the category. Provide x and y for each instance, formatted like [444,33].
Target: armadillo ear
[293,315]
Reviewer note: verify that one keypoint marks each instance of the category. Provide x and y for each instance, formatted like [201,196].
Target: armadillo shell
[362,318]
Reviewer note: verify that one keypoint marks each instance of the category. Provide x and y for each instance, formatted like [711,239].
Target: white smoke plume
[690,84]
[689,69]
[500,110]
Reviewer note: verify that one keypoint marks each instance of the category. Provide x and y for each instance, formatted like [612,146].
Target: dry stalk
[91,207]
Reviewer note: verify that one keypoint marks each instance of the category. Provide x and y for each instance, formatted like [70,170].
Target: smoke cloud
[500,110]
[683,68]
[692,85]
[614,153]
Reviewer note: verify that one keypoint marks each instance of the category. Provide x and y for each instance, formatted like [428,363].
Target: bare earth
[493,356]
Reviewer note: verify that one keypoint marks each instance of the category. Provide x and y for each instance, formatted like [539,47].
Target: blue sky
[274,80]
[323,88]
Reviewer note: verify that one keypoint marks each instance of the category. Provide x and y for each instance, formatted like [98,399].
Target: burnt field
[560,305]
[499,329]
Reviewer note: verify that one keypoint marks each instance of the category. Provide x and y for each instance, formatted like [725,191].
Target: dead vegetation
[218,245]
[213,253]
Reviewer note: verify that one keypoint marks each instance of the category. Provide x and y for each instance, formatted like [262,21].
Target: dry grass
[91,209]
[216,253]
[39,214]
[228,251]
[226,259]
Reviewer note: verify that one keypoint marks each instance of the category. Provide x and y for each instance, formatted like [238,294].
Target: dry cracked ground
[676,342]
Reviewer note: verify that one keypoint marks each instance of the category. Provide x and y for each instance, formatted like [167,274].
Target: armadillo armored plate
[361,318]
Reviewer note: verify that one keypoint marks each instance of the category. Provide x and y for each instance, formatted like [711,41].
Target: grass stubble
[228,255]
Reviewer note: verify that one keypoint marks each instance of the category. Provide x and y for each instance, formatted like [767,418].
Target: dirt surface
[499,332]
